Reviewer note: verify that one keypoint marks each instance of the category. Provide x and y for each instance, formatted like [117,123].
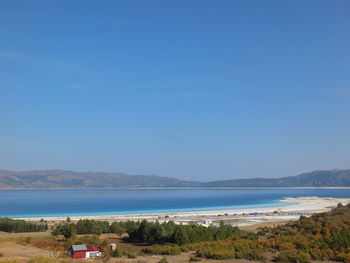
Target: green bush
[213,253]
[163,260]
[116,253]
[251,254]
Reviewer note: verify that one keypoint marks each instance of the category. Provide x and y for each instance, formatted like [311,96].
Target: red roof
[93,248]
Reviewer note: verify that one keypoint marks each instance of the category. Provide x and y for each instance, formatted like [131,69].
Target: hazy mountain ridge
[318,178]
[70,179]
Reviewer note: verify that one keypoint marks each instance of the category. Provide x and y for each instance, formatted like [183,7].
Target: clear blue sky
[200,89]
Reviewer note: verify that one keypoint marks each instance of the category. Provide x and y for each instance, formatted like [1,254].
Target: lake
[40,203]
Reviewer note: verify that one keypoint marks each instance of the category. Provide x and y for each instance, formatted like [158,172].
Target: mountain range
[47,179]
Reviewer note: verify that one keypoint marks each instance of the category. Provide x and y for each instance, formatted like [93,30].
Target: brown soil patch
[254,228]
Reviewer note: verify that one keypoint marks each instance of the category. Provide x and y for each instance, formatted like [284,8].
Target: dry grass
[21,253]
[4,236]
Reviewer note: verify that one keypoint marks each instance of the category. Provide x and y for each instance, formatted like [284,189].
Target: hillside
[324,178]
[321,237]
[70,179]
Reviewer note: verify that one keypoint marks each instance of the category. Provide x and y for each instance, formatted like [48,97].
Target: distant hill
[69,179]
[325,178]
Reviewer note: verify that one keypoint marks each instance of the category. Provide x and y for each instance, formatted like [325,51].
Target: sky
[192,89]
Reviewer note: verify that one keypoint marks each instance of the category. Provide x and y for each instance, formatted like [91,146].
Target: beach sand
[290,209]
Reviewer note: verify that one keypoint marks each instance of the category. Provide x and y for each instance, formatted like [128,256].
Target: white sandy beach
[290,209]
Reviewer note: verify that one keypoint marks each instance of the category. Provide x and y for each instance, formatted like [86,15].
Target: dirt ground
[255,228]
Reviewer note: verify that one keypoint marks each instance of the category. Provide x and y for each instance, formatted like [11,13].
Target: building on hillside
[93,252]
[207,222]
[78,251]
[113,246]
[83,251]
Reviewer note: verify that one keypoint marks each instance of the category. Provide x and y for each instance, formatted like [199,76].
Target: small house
[113,246]
[83,251]
[93,252]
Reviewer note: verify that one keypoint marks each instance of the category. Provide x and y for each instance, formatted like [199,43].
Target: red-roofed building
[93,251]
[82,251]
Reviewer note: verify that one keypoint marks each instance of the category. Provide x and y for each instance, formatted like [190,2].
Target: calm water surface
[36,203]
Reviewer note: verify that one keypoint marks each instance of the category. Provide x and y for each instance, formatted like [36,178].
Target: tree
[157,233]
[66,229]
[143,233]
[180,236]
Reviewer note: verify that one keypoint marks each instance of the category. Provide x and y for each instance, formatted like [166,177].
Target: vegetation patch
[294,256]
[17,226]
[149,232]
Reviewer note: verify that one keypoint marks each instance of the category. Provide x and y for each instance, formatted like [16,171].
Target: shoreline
[241,216]
[184,188]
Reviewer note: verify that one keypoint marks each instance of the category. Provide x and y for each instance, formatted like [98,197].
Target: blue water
[40,203]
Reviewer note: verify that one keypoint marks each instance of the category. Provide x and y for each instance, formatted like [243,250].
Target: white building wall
[90,254]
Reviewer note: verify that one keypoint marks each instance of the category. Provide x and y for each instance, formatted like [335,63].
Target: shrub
[28,240]
[212,253]
[294,256]
[116,253]
[343,257]
[1,255]
[321,254]
[194,259]
[286,246]
[251,254]
[132,255]
[163,260]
